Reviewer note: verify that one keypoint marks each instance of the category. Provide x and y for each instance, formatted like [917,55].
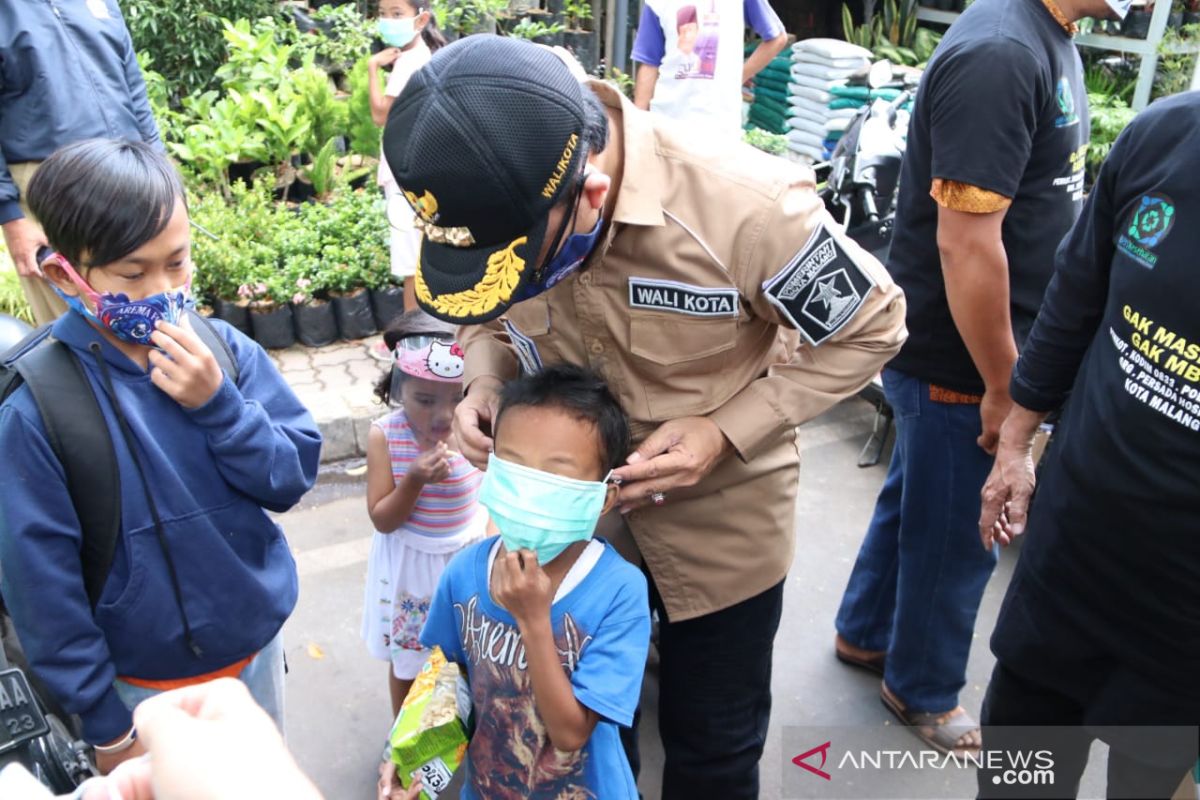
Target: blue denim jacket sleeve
[68,71]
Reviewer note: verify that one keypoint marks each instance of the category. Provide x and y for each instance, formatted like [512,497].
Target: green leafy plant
[891,35]
[257,59]
[1110,115]
[328,116]
[462,17]
[12,297]
[773,143]
[361,128]
[185,36]
[527,28]
[321,173]
[1175,65]
[348,39]
[622,80]
[577,13]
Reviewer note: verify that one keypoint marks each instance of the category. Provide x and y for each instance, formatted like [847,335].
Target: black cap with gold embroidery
[483,141]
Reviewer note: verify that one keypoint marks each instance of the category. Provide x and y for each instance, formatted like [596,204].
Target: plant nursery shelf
[1147,49]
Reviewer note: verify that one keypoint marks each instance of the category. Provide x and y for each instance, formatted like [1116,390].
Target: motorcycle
[862,181]
[34,731]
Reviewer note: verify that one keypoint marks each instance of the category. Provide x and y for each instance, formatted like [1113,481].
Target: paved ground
[338,702]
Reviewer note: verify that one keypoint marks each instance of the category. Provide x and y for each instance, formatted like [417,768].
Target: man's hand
[992,412]
[385,58]
[677,455]
[432,466]
[476,410]
[23,237]
[1005,497]
[188,373]
[523,587]
[107,762]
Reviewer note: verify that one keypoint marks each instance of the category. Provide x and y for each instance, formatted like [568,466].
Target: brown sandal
[943,732]
[872,660]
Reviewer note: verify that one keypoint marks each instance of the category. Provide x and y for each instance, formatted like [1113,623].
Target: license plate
[20,717]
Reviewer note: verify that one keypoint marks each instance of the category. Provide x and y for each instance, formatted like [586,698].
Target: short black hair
[414,322]
[581,393]
[103,197]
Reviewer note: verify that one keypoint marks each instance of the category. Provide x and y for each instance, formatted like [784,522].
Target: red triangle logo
[823,749]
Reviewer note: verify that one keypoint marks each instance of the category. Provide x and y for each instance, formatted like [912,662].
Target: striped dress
[405,564]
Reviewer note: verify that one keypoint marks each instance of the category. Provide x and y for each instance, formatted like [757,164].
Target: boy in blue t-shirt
[551,625]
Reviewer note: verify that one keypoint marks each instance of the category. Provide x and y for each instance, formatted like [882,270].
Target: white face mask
[1120,7]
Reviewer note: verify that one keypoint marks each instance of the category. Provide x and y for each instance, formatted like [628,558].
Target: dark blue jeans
[921,571]
[714,699]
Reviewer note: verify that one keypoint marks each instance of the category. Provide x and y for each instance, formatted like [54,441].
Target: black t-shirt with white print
[1002,106]
[1113,542]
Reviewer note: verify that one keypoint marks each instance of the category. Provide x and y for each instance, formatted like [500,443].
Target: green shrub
[185,36]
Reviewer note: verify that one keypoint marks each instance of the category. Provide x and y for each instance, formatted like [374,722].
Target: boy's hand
[189,372]
[107,762]
[522,587]
[432,466]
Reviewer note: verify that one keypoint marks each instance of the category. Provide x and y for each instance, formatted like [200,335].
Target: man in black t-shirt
[993,179]
[1101,624]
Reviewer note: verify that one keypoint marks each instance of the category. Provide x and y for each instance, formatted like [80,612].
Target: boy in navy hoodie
[202,579]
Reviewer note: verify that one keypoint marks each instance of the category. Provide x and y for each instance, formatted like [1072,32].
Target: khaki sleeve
[966,198]
[788,236]
[488,353]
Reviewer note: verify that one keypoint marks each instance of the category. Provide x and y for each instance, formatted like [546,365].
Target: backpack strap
[79,437]
[215,342]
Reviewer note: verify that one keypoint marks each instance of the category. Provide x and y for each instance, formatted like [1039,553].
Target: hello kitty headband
[430,358]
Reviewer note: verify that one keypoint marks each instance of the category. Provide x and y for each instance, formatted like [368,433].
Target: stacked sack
[817,111]
[768,108]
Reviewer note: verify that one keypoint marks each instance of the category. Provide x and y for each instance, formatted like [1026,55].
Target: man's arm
[762,55]
[1066,326]
[975,269]
[643,87]
[763,20]
[138,98]
[867,317]
[649,47]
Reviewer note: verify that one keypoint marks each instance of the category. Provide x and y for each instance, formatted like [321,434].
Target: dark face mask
[569,257]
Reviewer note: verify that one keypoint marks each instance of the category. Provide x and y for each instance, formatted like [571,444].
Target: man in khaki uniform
[708,288]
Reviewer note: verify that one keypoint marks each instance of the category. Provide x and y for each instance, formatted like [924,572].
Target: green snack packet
[429,739]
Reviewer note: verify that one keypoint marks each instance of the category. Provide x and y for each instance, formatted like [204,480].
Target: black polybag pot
[273,329]
[354,317]
[585,46]
[316,325]
[236,315]
[388,304]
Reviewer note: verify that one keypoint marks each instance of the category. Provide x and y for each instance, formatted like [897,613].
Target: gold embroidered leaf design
[497,285]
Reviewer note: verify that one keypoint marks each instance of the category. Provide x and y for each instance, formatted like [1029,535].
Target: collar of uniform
[641,177]
[1070,27]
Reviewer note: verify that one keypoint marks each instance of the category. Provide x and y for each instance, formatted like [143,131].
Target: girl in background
[409,30]
[421,496]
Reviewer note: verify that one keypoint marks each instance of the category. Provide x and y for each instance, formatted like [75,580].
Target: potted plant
[578,37]
[538,31]
[270,315]
[1136,24]
[1178,7]
[313,317]
[1191,16]
[387,294]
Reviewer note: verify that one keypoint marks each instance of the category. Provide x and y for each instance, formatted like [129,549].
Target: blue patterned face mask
[540,511]
[130,320]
